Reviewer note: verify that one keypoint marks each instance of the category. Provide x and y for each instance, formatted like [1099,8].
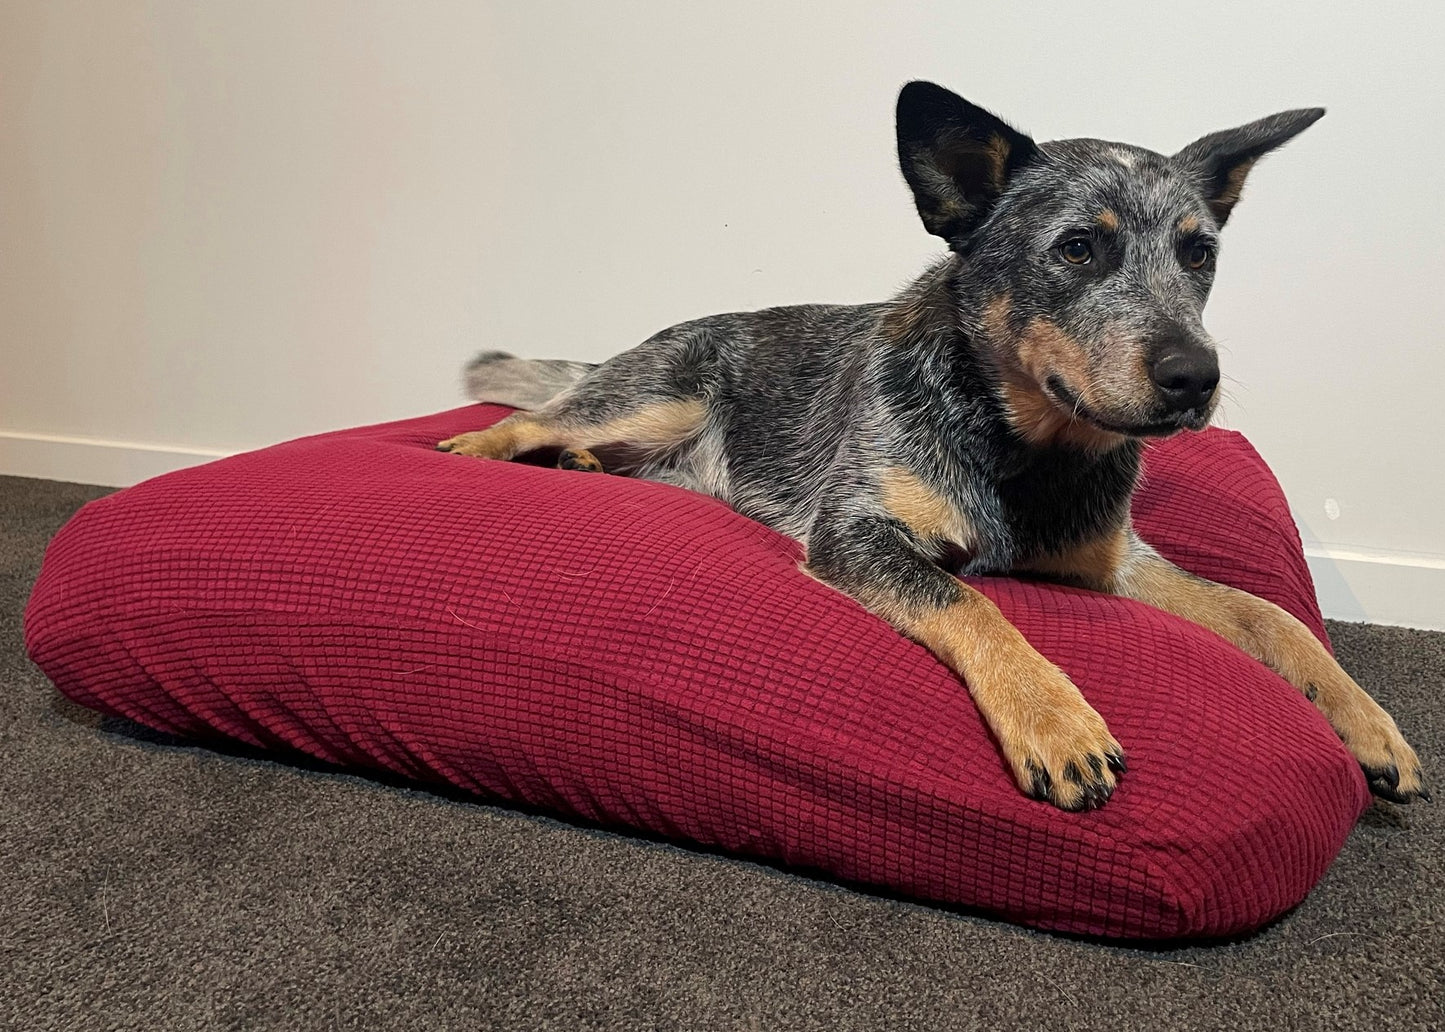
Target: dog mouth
[1190,419]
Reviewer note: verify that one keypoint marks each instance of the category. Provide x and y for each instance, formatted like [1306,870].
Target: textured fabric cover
[640,656]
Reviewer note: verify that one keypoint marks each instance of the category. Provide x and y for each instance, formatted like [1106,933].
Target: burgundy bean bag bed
[641,657]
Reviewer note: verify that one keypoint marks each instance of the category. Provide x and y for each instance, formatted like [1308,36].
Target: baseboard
[1403,590]
[91,460]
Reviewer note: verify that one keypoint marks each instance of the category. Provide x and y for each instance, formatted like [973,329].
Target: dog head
[1084,265]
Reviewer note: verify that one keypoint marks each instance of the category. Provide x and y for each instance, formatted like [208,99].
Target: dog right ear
[957,158]
[1219,162]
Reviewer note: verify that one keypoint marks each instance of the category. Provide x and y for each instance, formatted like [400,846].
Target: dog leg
[520,432]
[1124,565]
[1056,746]
[654,426]
[650,398]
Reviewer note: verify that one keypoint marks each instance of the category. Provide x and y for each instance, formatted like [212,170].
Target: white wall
[223,224]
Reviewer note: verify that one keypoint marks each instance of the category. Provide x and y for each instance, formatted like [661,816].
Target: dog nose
[1186,379]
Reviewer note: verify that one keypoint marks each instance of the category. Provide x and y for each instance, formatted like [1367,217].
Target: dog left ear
[957,158]
[1220,161]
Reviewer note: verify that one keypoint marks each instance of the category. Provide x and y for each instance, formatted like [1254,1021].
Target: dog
[987,420]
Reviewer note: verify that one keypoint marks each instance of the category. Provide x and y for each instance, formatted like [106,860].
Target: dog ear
[1219,162]
[957,158]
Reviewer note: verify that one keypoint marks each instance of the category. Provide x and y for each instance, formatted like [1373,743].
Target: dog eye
[1199,256]
[1076,251]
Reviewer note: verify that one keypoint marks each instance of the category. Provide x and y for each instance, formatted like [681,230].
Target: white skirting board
[1373,587]
[91,460]
[1405,590]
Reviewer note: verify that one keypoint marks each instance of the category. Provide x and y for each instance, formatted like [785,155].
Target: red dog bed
[636,655]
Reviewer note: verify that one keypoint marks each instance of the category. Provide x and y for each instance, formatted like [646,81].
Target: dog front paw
[1391,767]
[1061,752]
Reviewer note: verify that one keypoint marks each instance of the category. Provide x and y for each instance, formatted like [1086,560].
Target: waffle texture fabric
[642,657]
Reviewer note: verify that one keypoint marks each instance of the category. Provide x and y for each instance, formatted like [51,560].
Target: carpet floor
[150,884]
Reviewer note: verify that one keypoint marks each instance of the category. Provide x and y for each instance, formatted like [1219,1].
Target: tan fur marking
[1033,709]
[657,426]
[1109,219]
[520,432]
[1257,627]
[1189,224]
[1026,360]
[921,509]
[1265,631]
[1233,187]
[997,150]
[996,318]
[1094,564]
[1040,421]
[1045,349]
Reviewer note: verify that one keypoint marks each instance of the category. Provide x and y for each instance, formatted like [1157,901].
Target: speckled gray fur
[808,405]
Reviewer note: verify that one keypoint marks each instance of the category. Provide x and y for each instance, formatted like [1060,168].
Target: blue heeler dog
[988,419]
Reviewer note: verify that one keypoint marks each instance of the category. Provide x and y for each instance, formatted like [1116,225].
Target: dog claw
[1385,783]
[1040,784]
[1093,789]
[1092,797]
[1389,777]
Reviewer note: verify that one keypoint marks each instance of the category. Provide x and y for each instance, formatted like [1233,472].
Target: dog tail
[525,383]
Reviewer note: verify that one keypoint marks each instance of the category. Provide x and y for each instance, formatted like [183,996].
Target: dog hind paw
[579,459]
[480,444]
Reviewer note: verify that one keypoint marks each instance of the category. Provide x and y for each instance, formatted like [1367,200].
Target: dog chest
[1057,498]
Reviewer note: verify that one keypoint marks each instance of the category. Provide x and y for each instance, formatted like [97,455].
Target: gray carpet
[147,885]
